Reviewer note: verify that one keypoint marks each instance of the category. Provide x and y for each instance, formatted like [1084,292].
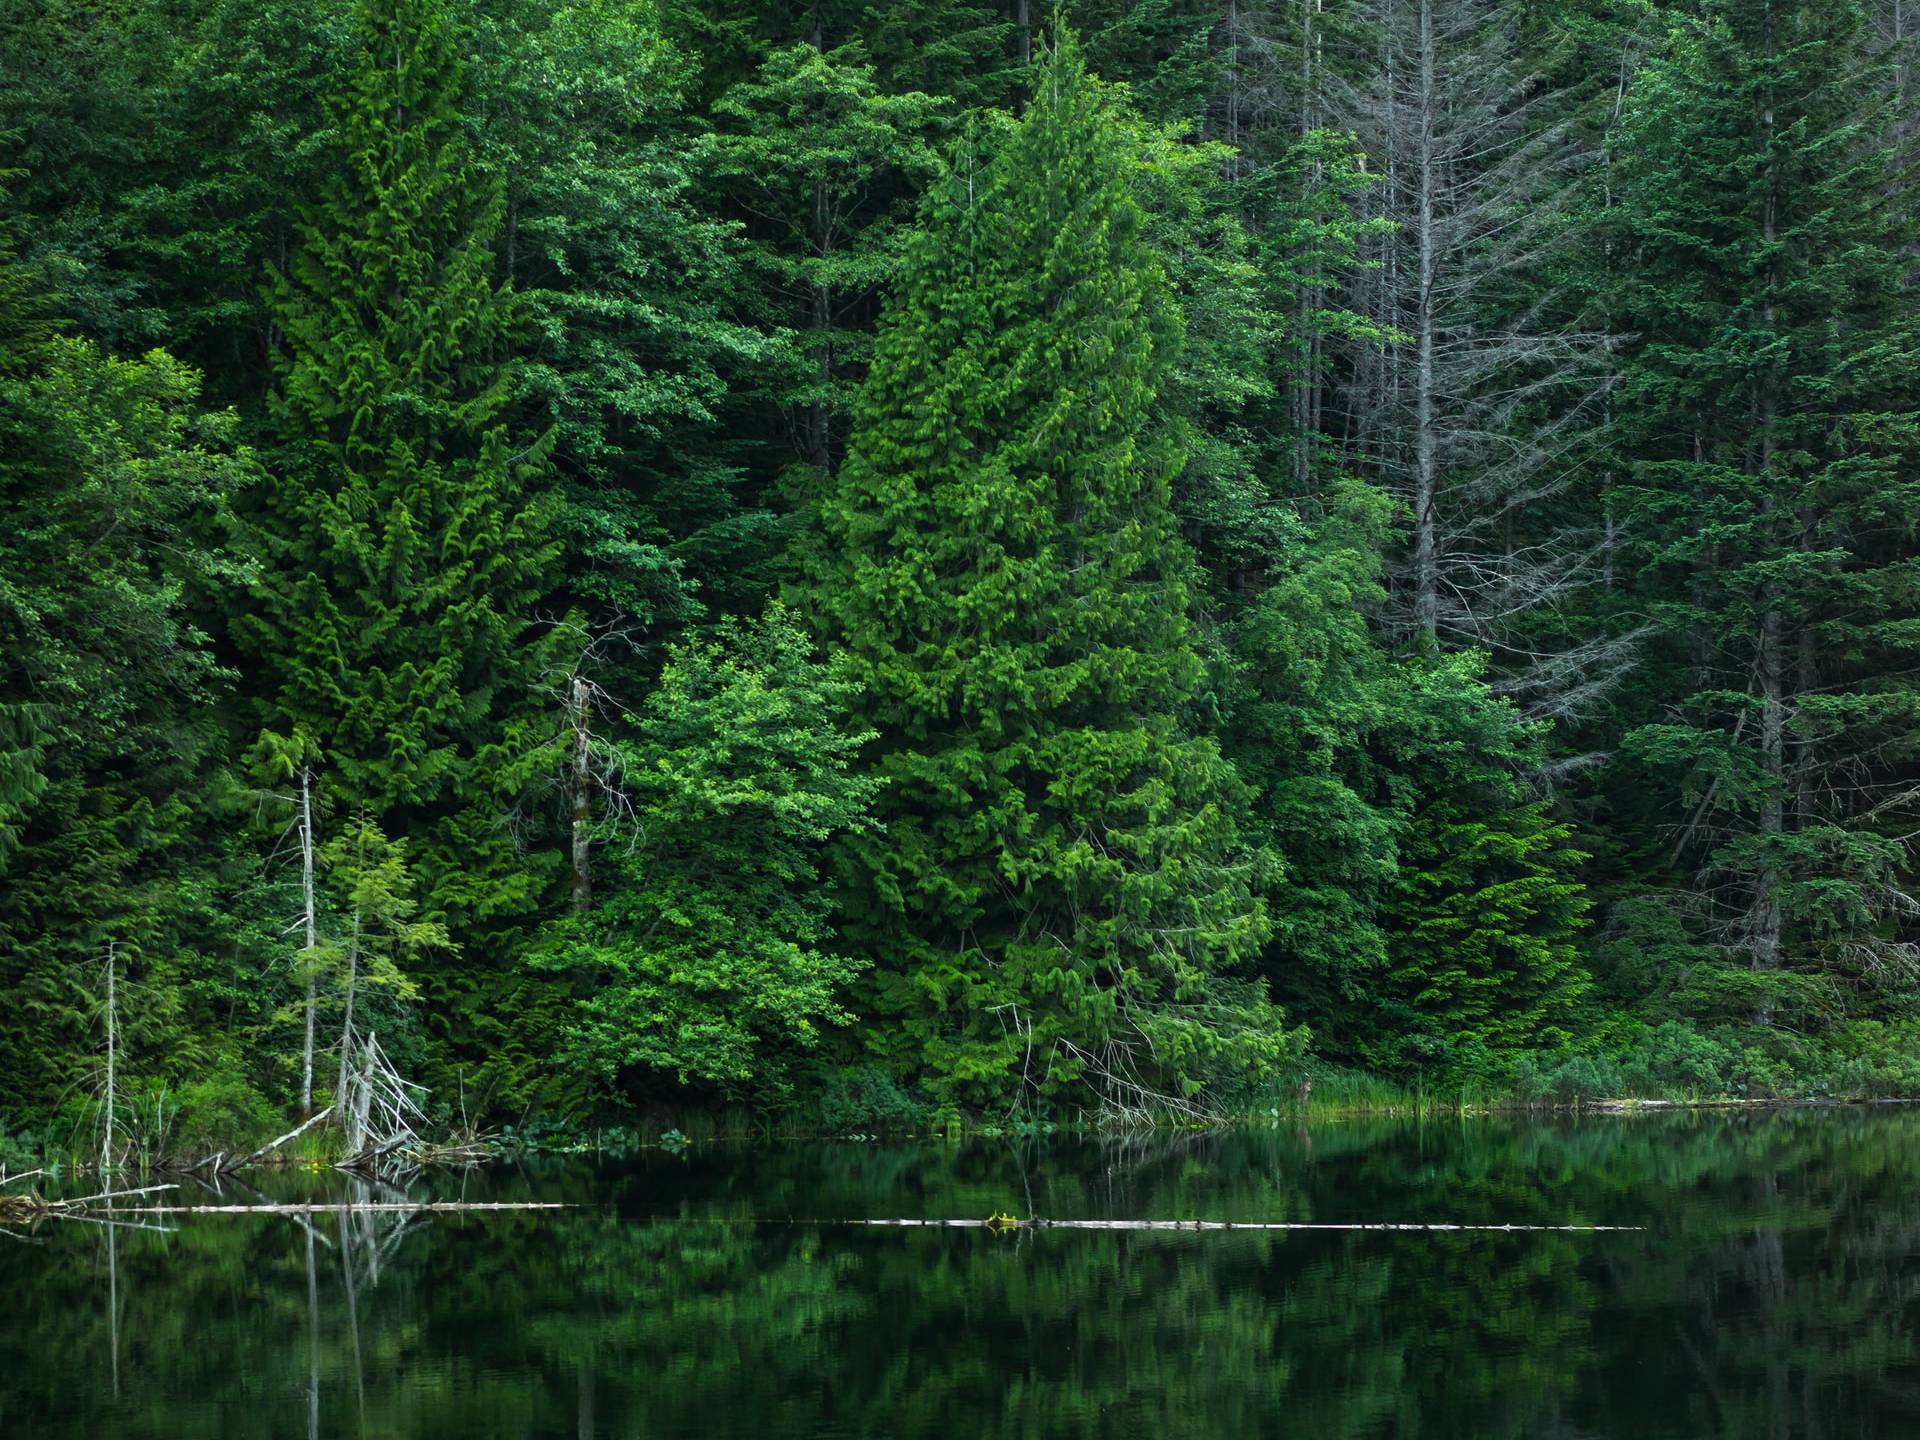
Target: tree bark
[113,1036]
[346,1018]
[582,857]
[1770,663]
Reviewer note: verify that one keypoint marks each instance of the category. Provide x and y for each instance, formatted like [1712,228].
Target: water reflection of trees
[1773,1295]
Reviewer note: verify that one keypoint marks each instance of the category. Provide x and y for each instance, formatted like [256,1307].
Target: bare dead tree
[1489,424]
[106,1136]
[588,768]
[309,918]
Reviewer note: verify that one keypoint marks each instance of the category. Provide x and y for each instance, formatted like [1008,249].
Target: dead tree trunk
[113,1037]
[346,1018]
[578,712]
[312,935]
[1426,599]
[1771,660]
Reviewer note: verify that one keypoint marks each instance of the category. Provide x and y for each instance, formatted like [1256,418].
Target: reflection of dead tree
[313,1342]
[113,1304]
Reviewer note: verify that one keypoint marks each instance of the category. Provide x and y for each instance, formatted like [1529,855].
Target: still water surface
[1774,1292]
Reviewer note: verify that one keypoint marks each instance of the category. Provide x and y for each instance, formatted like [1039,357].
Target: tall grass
[1341,1094]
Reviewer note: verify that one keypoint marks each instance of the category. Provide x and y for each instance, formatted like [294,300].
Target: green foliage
[864,1099]
[216,1110]
[373,898]
[711,952]
[1485,915]
[1099,728]
[407,535]
[630,295]
[1426,909]
[822,165]
[1059,892]
[115,485]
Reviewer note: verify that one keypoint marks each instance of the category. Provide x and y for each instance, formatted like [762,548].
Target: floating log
[1006,1222]
[80,1202]
[18,1209]
[345,1208]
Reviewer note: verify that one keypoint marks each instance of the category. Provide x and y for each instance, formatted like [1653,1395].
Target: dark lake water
[1775,1291]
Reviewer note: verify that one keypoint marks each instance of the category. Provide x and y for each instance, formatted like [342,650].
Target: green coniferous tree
[1774,467]
[823,165]
[406,537]
[1060,891]
[115,485]
[1427,910]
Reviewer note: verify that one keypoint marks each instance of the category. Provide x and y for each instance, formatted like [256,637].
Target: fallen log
[1007,1222]
[442,1207]
[18,1209]
[272,1145]
[80,1202]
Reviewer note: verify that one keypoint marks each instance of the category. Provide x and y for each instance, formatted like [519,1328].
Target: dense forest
[895,562]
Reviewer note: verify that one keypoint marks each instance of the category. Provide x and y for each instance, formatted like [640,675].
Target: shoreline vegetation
[1340,1097]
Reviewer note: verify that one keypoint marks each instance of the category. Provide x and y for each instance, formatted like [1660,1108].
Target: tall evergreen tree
[1060,892]
[633,297]
[1775,474]
[824,166]
[1428,908]
[115,485]
[406,537]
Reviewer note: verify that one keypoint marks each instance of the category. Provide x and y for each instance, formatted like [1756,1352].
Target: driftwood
[346,1207]
[16,1209]
[1007,1222]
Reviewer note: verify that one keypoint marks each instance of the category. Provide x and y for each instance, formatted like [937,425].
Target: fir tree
[115,485]
[1484,916]
[1428,909]
[1060,891]
[1775,473]
[405,539]
[823,165]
